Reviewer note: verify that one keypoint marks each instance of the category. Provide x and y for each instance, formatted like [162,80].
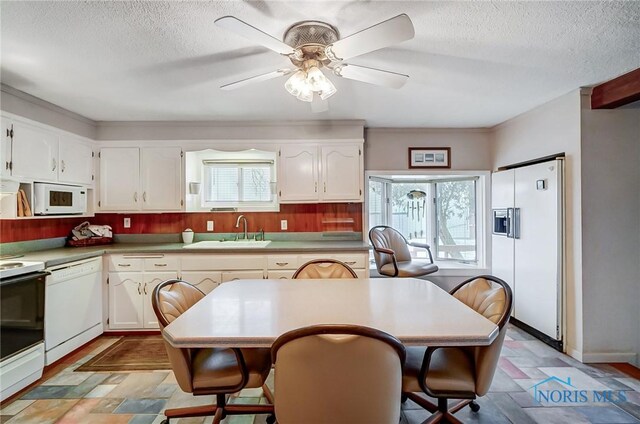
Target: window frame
[238,165]
[482,215]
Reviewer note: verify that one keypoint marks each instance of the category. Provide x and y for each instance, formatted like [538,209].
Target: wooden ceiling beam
[618,92]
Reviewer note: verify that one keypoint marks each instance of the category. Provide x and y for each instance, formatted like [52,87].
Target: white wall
[546,130]
[611,234]
[23,104]
[387,149]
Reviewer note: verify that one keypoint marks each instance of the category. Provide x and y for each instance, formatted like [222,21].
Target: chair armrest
[424,246]
[393,257]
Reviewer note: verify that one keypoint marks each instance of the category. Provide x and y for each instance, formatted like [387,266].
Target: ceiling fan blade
[371,75]
[384,34]
[319,105]
[253,34]
[257,78]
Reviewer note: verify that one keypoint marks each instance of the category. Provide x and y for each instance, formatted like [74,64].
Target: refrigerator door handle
[516,224]
[509,222]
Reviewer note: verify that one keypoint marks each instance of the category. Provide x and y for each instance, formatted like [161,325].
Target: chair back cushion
[170,299]
[337,378]
[324,268]
[388,238]
[490,297]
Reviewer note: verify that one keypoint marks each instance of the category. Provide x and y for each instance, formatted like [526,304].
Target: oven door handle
[24,277]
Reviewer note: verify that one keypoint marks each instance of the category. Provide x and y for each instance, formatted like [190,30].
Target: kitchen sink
[231,244]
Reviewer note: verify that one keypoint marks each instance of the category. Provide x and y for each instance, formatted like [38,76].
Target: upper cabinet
[34,152]
[320,173]
[140,179]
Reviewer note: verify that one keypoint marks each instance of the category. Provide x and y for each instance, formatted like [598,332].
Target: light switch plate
[127,223]
[209,225]
[283,224]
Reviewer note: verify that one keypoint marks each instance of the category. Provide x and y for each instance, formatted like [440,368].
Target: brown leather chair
[460,372]
[335,374]
[393,259]
[324,268]
[219,371]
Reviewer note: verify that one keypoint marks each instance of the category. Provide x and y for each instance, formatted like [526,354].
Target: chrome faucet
[241,217]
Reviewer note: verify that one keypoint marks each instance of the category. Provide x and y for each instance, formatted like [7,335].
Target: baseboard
[120,333]
[575,354]
[608,357]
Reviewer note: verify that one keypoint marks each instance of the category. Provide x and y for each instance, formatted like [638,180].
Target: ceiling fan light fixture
[328,90]
[296,83]
[306,94]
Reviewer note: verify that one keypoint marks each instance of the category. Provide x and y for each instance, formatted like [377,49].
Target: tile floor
[66,396]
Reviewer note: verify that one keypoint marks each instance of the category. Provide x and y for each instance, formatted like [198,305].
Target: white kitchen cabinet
[150,281]
[320,173]
[298,173]
[342,173]
[76,161]
[206,281]
[119,179]
[125,300]
[280,275]
[134,179]
[34,152]
[242,275]
[5,147]
[161,178]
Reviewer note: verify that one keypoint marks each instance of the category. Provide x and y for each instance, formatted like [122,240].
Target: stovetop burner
[14,268]
[11,265]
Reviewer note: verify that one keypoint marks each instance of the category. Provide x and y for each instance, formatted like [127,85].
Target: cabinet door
[120,179]
[280,275]
[5,148]
[125,300]
[341,173]
[242,275]
[161,178]
[34,152]
[150,281]
[76,161]
[298,173]
[204,280]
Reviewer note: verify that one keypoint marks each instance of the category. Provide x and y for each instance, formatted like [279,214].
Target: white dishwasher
[72,307]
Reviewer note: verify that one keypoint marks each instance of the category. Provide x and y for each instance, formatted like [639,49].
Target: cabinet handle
[325,187]
[159,264]
[316,187]
[135,196]
[139,292]
[282,263]
[350,262]
[124,264]
[144,196]
[62,166]
[145,288]
[54,164]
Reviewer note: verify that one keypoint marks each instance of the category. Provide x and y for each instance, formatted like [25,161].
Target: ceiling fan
[313,45]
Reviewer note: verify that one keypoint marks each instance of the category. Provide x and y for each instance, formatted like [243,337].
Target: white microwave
[58,199]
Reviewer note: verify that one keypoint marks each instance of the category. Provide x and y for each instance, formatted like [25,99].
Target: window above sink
[239,181]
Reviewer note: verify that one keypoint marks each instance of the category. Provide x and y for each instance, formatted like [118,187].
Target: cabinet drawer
[354,260]
[282,262]
[280,275]
[167,263]
[125,263]
[242,275]
[222,262]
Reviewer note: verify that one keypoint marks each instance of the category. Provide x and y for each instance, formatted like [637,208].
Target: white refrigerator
[528,243]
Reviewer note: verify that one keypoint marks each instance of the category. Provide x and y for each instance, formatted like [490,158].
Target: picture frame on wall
[433,157]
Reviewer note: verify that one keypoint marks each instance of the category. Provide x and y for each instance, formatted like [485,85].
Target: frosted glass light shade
[296,83]
[328,89]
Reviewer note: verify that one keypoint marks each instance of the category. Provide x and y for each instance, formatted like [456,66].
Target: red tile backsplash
[300,218]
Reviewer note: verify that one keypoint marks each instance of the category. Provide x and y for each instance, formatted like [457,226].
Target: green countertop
[64,255]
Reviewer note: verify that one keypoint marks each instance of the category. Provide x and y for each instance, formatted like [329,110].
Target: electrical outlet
[209,225]
[283,224]
[127,223]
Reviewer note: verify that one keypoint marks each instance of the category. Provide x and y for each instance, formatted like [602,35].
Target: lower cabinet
[206,281]
[130,299]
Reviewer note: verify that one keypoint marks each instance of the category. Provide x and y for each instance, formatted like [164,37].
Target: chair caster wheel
[474,406]
[271,419]
[403,398]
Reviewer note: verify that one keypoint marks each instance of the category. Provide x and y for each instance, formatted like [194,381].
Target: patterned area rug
[131,353]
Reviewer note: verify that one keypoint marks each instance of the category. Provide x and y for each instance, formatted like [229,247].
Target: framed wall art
[433,157]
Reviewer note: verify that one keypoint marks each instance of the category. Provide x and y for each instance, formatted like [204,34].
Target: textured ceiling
[472,64]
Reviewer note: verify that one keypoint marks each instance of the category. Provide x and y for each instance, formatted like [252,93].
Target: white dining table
[254,313]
